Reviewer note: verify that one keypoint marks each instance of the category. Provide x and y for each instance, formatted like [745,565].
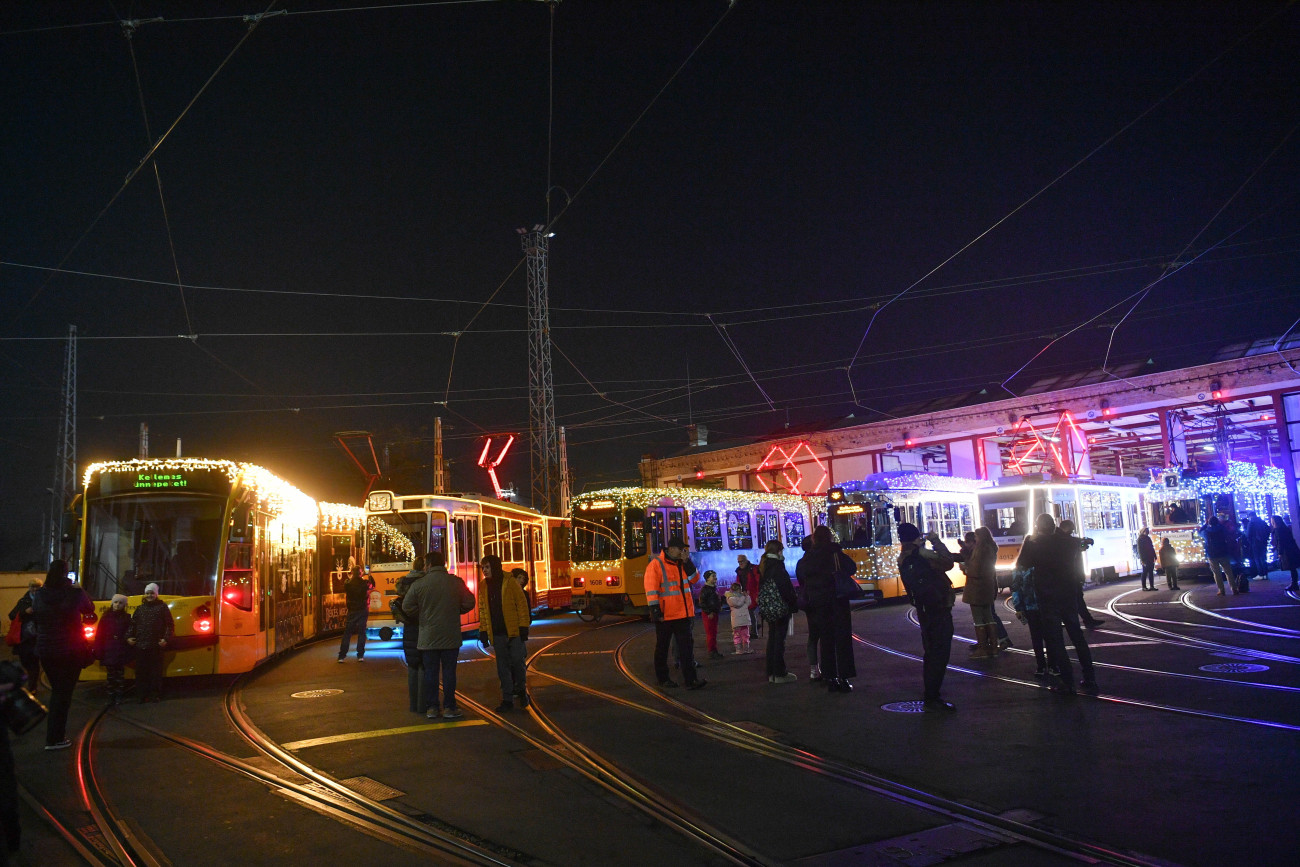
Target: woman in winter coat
[1147,555]
[827,611]
[1288,553]
[981,592]
[776,592]
[25,650]
[151,630]
[111,648]
[1169,563]
[61,645]
[411,637]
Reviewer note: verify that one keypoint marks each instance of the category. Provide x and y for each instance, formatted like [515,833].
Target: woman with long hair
[776,603]
[58,607]
[981,592]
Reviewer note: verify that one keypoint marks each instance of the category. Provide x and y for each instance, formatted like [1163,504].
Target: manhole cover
[1234,668]
[904,707]
[316,693]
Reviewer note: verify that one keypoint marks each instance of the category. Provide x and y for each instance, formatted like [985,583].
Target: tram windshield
[169,539]
[596,536]
[395,538]
[1175,512]
[1005,513]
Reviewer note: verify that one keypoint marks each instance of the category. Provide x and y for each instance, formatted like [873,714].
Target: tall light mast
[64,488]
[543,437]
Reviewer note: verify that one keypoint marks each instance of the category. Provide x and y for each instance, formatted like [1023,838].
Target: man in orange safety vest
[668,591]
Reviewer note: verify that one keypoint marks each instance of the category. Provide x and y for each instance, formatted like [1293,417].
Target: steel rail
[1186,601]
[445,845]
[88,853]
[120,839]
[1136,623]
[704,724]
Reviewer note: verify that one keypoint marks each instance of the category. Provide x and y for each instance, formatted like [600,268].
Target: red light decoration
[89,630]
[491,465]
[1216,395]
[781,459]
[1063,450]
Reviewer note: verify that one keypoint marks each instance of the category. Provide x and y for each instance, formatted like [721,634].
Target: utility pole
[542,434]
[64,488]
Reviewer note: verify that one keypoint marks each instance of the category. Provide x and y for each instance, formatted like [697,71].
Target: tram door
[665,523]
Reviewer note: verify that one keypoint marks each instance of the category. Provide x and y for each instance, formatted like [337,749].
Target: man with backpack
[924,572]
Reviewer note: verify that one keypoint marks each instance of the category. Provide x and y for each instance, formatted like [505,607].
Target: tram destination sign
[207,481]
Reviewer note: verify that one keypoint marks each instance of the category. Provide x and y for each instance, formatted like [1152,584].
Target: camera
[18,707]
[1085,543]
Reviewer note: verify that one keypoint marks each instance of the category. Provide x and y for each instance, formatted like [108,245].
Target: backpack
[927,586]
[771,607]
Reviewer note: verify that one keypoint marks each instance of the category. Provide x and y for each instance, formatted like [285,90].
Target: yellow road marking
[380,733]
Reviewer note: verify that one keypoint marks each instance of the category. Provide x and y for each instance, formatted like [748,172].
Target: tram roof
[907,481]
[693,497]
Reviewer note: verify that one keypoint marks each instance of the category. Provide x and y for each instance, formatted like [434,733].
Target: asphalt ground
[1176,764]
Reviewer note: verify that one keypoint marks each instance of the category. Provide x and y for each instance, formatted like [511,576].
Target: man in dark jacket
[1080,578]
[1257,542]
[917,564]
[1147,556]
[1054,558]
[439,599]
[357,591]
[151,630]
[1218,553]
[411,637]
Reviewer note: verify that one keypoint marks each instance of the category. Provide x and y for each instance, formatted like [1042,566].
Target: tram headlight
[20,709]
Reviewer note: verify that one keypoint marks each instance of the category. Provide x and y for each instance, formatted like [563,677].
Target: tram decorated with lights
[1104,509]
[248,565]
[1180,502]
[465,527]
[864,516]
[617,530]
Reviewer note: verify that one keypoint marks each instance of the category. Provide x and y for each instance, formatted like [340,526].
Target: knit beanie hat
[118,597]
[153,587]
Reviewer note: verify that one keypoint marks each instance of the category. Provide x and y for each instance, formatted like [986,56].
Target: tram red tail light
[203,620]
[89,631]
[237,589]
[611,580]
[579,581]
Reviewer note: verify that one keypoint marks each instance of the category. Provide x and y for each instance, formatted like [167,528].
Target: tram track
[703,724]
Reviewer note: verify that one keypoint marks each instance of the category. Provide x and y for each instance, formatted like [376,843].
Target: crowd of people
[1229,546]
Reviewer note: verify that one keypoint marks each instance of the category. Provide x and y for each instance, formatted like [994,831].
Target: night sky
[346,191]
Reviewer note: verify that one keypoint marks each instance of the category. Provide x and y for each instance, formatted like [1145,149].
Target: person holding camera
[59,607]
[1080,604]
[924,572]
[672,608]
[1056,559]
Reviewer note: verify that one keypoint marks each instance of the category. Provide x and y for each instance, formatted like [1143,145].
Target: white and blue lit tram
[466,527]
[1105,509]
[617,530]
[864,516]
[1179,502]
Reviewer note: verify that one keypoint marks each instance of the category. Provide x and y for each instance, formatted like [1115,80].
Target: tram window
[559,545]
[516,542]
[1101,510]
[706,529]
[794,529]
[768,522]
[883,534]
[635,538]
[655,519]
[172,540]
[739,535]
[395,538]
[1175,512]
[489,525]
[596,536]
[676,523]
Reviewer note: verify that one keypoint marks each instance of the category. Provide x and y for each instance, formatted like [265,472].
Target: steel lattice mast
[64,488]
[543,437]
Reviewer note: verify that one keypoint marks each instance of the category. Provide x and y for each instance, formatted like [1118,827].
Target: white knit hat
[118,597]
[153,587]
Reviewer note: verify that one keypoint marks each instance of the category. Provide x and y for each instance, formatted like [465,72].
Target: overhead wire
[731,344]
[1163,99]
[144,160]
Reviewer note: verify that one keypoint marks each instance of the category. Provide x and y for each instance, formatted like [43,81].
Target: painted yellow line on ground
[380,733]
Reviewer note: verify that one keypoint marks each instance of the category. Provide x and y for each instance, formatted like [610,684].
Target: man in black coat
[357,590]
[1054,558]
[925,575]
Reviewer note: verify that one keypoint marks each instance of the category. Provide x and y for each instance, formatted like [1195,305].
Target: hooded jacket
[438,598]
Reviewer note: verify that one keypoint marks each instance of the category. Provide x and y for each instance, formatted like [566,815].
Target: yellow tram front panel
[610,579]
[193,648]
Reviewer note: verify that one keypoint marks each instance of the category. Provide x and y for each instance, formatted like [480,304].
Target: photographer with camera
[1080,604]
[59,607]
[1057,561]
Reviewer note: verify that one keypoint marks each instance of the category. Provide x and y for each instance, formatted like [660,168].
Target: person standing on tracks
[750,575]
[1218,553]
[981,593]
[776,605]
[668,592]
[1169,563]
[439,599]
[1054,557]
[1080,604]
[1257,544]
[112,648]
[801,594]
[924,573]
[1147,555]
[503,620]
[59,607]
[411,637]
[151,629]
[357,590]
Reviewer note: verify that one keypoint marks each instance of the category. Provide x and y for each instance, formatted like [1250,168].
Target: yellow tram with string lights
[617,530]
[249,565]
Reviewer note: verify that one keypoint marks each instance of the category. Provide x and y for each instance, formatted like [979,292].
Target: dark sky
[349,184]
